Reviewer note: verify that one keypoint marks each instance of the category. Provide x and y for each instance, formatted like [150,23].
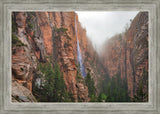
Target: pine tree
[60,93]
[48,87]
[141,95]
[93,98]
[102,97]
[90,84]
[116,90]
[53,89]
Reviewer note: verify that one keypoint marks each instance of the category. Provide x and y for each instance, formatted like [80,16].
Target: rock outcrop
[43,35]
[21,94]
[127,53]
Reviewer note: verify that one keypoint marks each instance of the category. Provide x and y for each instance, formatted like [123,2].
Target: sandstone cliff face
[65,50]
[21,94]
[128,54]
[90,57]
[48,34]
[23,59]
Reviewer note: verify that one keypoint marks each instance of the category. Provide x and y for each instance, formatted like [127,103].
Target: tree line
[53,88]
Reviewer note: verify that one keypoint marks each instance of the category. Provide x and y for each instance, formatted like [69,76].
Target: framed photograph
[80,57]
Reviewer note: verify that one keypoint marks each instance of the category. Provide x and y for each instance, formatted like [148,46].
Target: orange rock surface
[128,54]
[45,35]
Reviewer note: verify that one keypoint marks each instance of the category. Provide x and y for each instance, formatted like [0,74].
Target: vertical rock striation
[48,34]
[127,53]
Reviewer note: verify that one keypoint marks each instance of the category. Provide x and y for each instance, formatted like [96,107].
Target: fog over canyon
[102,25]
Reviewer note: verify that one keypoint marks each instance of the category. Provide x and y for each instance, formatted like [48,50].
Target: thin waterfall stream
[79,56]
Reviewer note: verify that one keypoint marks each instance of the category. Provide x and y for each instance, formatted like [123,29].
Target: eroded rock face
[21,94]
[46,30]
[24,57]
[137,45]
[128,54]
[82,92]
[48,34]
[23,64]
[65,49]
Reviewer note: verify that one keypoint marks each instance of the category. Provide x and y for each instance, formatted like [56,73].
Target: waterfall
[79,56]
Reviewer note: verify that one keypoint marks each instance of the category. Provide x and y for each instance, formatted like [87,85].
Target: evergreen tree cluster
[53,88]
[90,84]
[142,96]
[114,90]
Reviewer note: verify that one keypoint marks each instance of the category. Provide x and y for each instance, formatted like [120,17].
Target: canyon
[127,54]
[57,37]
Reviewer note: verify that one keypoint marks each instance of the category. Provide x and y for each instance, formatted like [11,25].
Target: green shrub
[14,27]
[93,98]
[90,84]
[68,37]
[141,95]
[30,25]
[61,29]
[30,20]
[31,14]
[66,45]
[102,97]
[79,78]
[16,41]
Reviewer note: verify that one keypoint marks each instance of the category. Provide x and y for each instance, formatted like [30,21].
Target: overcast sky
[103,25]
